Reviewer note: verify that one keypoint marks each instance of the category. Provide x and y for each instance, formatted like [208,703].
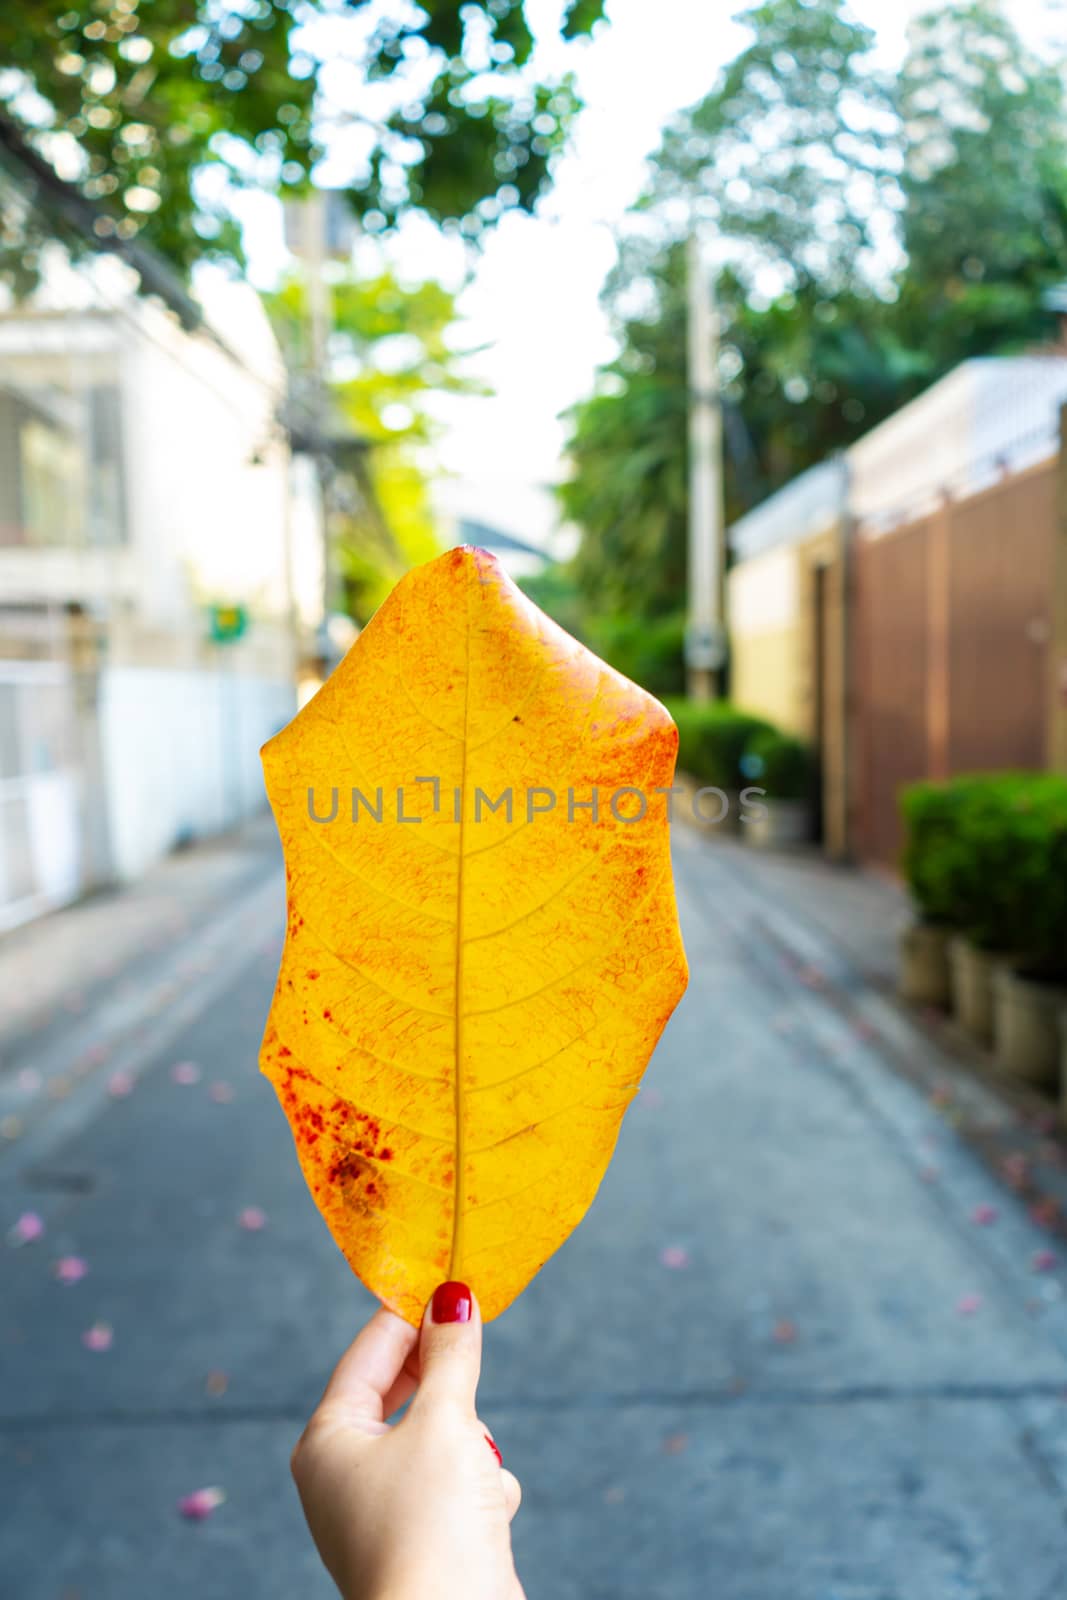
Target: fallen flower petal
[217,1383]
[785,1331]
[119,1085]
[29,1080]
[200,1504]
[252,1219]
[28,1228]
[99,1337]
[983,1215]
[221,1093]
[71,1269]
[674,1444]
[674,1256]
[185,1072]
[968,1305]
[1043,1260]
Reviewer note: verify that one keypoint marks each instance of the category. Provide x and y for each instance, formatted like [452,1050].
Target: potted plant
[1030,994]
[712,738]
[987,888]
[783,768]
[932,865]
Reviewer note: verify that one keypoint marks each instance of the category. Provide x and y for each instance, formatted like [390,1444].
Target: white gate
[40,832]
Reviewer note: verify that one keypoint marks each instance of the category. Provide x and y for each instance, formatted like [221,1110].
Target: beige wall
[763,606]
[772,600]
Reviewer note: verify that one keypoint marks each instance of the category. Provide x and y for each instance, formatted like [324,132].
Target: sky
[534,299]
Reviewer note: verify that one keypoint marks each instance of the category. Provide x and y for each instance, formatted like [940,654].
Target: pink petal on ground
[983,1215]
[98,1337]
[185,1072]
[1043,1260]
[252,1219]
[651,1099]
[119,1085]
[216,1383]
[221,1093]
[785,1332]
[673,1256]
[71,1269]
[28,1228]
[200,1504]
[929,1174]
[675,1444]
[29,1080]
[968,1305]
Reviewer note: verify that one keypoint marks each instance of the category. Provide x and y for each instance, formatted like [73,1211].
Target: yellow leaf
[467,999]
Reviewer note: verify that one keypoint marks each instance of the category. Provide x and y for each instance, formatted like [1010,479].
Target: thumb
[450,1349]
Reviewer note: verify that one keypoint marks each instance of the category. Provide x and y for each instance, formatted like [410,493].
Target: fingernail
[491,1442]
[451,1303]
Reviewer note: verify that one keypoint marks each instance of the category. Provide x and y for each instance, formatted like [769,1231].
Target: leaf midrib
[459,1177]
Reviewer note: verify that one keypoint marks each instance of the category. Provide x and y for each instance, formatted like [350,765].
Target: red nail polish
[491,1442]
[451,1303]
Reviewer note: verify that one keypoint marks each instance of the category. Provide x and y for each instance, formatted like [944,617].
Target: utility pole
[705,641]
[319,318]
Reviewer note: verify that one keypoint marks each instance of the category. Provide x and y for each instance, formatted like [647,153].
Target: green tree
[805,160]
[134,100]
[789,159]
[389,355]
[791,155]
[984,185]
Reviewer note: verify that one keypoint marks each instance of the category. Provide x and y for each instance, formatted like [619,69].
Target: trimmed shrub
[779,763]
[650,652]
[988,854]
[935,862]
[712,739]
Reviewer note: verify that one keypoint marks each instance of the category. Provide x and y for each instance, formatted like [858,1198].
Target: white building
[149,504]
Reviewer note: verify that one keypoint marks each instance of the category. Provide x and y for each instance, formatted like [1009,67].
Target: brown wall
[950,647]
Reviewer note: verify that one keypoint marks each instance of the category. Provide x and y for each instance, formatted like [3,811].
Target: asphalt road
[778,1361]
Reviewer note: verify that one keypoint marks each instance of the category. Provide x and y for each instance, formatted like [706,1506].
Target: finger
[512,1492]
[404,1387]
[369,1369]
[450,1348]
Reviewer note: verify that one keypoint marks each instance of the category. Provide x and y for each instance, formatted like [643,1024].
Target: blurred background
[739,333]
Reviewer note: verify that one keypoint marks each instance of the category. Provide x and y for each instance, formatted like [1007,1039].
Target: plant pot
[777,825]
[972,988]
[1026,1026]
[925,979]
[714,811]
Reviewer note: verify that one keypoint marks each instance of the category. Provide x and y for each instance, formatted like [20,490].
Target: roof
[469,531]
[806,506]
[989,415]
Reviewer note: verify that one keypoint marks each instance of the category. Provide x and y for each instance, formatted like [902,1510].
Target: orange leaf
[467,999]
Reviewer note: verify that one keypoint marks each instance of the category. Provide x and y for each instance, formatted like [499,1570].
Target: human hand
[421,1509]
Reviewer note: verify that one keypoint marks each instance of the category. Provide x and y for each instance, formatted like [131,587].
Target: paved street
[778,1361]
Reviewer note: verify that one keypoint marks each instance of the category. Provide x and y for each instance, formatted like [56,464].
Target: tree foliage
[869,237]
[134,100]
[389,355]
